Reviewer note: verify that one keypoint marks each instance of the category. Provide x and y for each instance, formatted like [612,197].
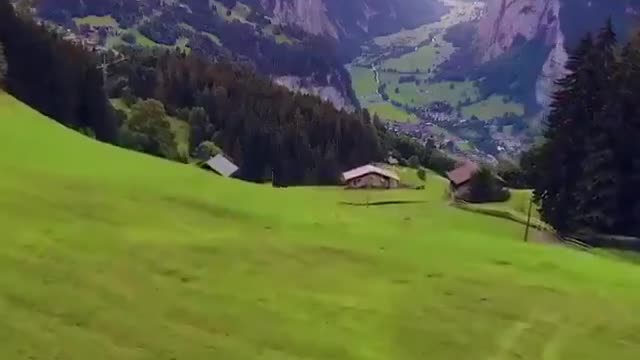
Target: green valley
[112,254]
[418,53]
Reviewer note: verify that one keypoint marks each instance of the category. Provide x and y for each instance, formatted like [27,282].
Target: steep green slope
[108,254]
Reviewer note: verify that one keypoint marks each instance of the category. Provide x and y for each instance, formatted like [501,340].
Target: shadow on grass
[382,203]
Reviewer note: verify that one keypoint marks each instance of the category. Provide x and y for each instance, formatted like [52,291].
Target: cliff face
[344,19]
[508,21]
[557,23]
[310,15]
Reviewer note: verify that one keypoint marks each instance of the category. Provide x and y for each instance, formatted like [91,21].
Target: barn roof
[462,173]
[222,165]
[369,169]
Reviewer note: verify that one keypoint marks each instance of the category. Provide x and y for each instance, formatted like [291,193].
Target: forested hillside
[305,44]
[53,76]
[588,170]
[272,133]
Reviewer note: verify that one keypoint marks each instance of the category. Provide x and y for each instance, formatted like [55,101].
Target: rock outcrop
[508,21]
[309,15]
[329,93]
[349,19]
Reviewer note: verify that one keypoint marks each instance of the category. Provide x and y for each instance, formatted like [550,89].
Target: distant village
[439,124]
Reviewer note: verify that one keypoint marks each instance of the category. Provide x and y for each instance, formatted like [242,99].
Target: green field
[426,93]
[363,80]
[492,107]
[425,58]
[109,254]
[387,111]
[96,21]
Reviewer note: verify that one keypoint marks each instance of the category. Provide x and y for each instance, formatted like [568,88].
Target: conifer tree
[596,194]
[3,66]
[560,158]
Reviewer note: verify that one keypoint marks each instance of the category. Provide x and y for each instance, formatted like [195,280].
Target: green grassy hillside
[108,254]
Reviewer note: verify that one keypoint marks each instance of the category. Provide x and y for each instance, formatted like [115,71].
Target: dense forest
[588,170]
[272,133]
[55,77]
[247,41]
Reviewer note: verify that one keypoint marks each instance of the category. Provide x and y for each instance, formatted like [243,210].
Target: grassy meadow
[388,111]
[492,107]
[363,80]
[109,254]
[421,60]
[96,21]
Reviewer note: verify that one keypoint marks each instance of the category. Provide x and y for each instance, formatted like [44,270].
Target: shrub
[485,187]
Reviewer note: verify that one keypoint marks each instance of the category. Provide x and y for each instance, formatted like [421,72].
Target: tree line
[53,76]
[272,133]
[587,172]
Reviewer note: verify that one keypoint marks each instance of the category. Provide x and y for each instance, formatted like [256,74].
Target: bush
[485,187]
[206,150]
[422,174]
[413,162]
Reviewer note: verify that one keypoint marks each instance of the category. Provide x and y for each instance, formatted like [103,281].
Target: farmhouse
[221,165]
[459,179]
[370,177]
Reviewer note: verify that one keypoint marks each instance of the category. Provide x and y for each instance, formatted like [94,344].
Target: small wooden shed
[459,179]
[370,177]
[221,165]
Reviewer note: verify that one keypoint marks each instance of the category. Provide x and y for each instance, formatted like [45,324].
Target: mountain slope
[553,24]
[302,43]
[112,254]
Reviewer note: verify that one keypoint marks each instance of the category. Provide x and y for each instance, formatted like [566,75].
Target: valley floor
[109,254]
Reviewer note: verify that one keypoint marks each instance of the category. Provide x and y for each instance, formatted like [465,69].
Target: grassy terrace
[109,254]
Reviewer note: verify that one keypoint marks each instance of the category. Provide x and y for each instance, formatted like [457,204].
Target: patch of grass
[493,107]
[143,40]
[424,58]
[109,254]
[97,21]
[364,81]
[387,111]
[426,93]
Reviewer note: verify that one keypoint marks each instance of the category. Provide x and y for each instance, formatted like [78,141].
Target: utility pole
[526,231]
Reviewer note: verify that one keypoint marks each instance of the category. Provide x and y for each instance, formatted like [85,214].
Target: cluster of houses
[368,176]
[374,177]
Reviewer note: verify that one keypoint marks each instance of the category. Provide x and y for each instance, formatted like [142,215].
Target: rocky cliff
[508,21]
[342,19]
[556,24]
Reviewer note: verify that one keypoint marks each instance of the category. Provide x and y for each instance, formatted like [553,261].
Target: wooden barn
[370,177]
[459,179]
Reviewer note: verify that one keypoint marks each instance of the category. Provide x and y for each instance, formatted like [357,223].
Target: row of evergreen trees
[53,76]
[588,170]
[272,133]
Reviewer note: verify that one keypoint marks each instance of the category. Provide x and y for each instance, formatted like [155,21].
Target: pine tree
[626,138]
[596,193]
[560,158]
[3,66]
